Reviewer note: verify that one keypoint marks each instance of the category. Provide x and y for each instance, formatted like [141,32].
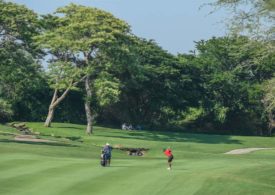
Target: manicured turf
[71,166]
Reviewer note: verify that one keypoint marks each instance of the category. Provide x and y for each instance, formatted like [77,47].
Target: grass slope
[72,165]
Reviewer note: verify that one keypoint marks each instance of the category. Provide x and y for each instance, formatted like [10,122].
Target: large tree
[232,68]
[63,77]
[19,25]
[156,87]
[20,72]
[254,18]
[63,72]
[83,34]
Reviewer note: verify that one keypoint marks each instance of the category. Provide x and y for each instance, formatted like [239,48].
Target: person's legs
[104,160]
[170,159]
[108,160]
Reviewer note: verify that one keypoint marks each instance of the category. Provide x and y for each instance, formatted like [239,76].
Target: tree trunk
[55,101]
[51,110]
[88,110]
[50,116]
[271,123]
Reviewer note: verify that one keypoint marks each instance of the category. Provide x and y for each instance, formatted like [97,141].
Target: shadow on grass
[37,143]
[177,137]
[113,166]
[68,127]
[75,138]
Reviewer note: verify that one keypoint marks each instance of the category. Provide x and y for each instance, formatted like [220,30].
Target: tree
[83,34]
[231,69]
[63,71]
[269,103]
[63,76]
[20,72]
[5,110]
[19,25]
[254,18]
[155,87]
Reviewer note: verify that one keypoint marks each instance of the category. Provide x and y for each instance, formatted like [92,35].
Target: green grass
[72,165]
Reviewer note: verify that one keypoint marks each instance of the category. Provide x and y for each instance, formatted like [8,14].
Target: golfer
[168,153]
[107,151]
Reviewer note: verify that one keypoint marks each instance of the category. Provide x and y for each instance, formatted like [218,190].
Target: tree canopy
[98,71]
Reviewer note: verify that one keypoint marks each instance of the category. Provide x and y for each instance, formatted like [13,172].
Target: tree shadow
[177,137]
[37,143]
[68,127]
[75,138]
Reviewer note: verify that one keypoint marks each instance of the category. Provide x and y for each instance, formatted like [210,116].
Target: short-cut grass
[71,165]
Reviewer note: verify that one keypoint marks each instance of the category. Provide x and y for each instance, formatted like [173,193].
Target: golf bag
[103,160]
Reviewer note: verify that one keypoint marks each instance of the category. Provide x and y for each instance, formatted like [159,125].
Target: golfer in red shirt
[168,153]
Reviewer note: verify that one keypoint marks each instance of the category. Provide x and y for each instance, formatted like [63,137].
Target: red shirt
[168,152]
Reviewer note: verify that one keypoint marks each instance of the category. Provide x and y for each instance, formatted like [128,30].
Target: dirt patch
[245,150]
[31,138]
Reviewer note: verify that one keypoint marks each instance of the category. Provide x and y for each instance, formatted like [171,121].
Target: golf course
[137,97]
[68,163]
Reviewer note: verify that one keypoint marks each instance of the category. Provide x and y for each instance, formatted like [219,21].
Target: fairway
[71,164]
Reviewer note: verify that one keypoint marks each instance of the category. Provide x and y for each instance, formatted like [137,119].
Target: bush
[5,110]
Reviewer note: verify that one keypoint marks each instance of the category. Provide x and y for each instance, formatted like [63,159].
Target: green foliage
[148,83]
[220,112]
[20,74]
[107,89]
[193,114]
[62,75]
[5,110]
[256,19]
[231,70]
[82,29]
[217,88]
[18,23]
[253,17]
[269,97]
[18,71]
[80,38]
[184,119]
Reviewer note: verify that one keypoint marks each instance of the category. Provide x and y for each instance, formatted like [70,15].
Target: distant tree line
[83,65]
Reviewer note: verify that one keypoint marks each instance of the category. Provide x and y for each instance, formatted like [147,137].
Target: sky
[173,24]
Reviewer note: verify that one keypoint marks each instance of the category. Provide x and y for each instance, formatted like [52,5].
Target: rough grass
[72,166]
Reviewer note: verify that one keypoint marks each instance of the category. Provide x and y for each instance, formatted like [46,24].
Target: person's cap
[107,144]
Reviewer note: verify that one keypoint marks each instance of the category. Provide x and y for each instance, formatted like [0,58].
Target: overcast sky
[173,24]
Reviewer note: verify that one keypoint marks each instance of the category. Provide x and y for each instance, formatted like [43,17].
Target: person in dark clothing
[107,153]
